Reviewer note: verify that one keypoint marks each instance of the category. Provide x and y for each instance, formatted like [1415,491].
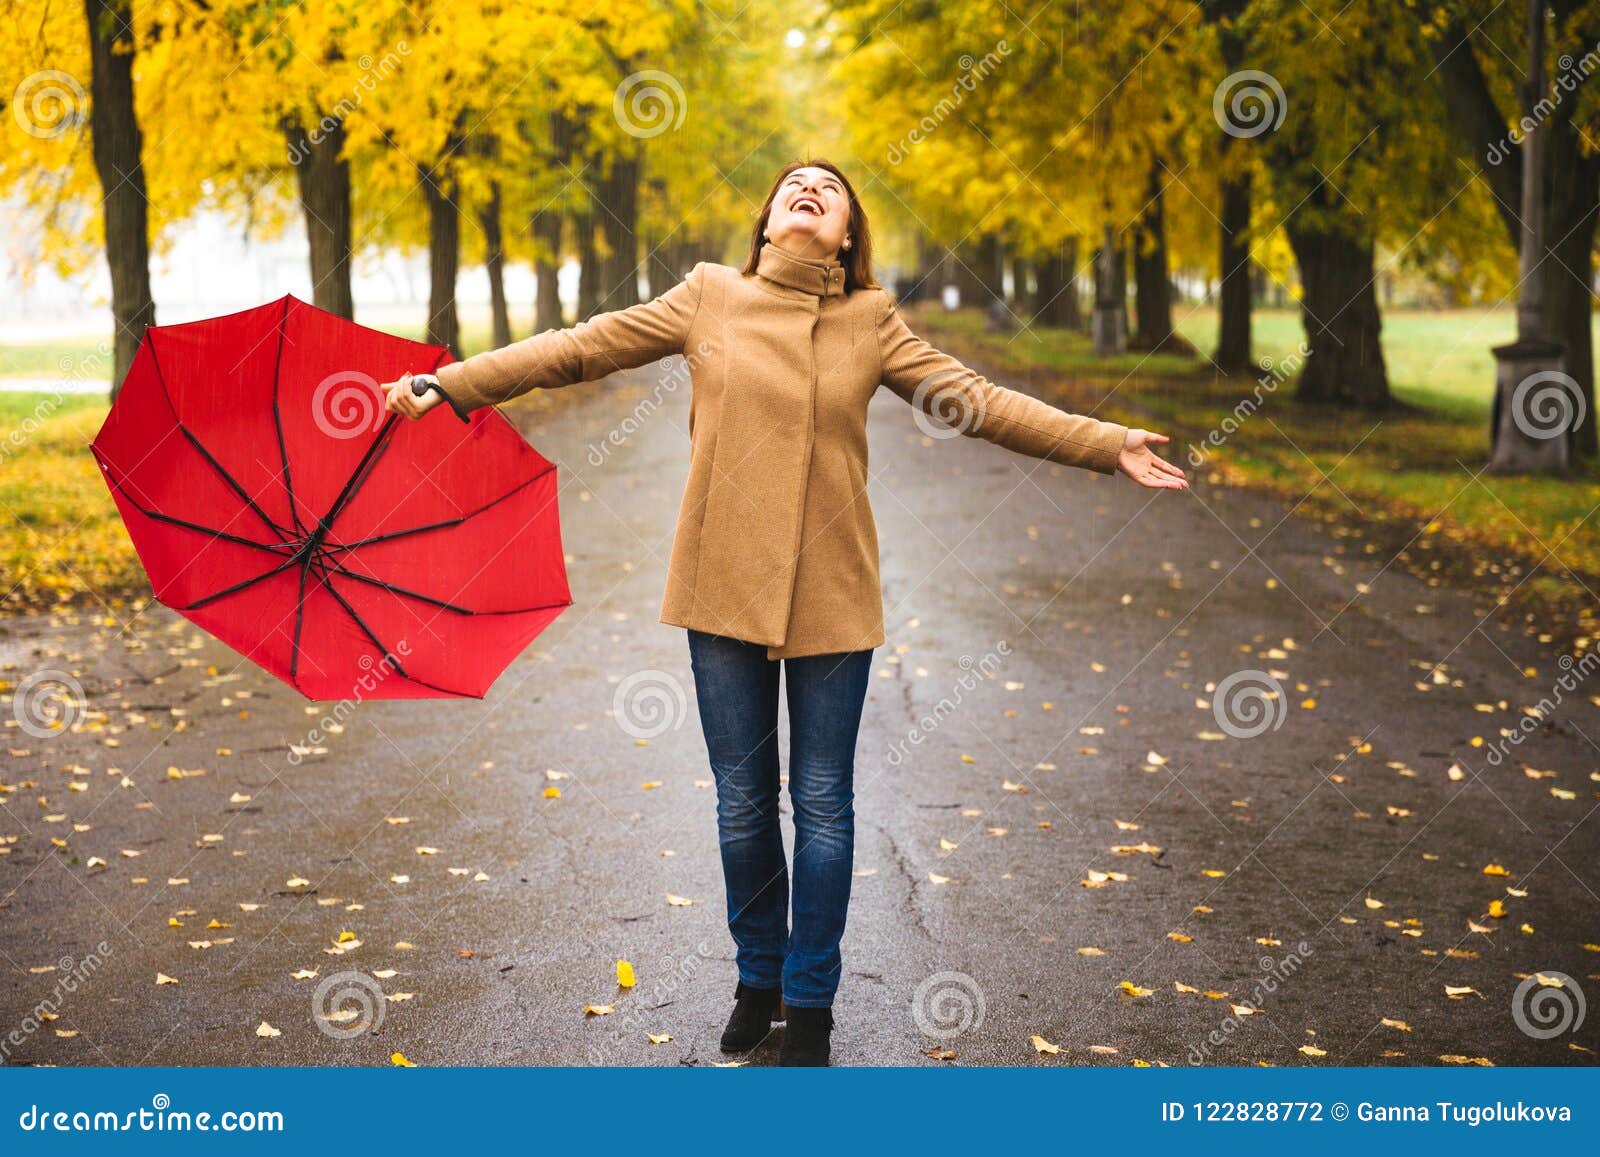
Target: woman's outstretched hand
[1141,463]
[400,400]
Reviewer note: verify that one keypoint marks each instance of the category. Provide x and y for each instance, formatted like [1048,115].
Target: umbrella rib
[215,465]
[446,523]
[387,653]
[239,586]
[272,548]
[277,418]
[338,568]
[232,482]
[299,617]
[363,468]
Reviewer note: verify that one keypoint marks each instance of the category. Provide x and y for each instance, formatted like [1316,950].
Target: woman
[775,559]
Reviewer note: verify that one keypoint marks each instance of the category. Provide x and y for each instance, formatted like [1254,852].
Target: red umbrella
[351,553]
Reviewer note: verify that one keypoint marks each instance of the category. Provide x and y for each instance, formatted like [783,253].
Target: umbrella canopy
[350,552]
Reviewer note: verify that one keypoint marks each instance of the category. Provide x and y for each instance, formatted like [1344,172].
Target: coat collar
[823,278]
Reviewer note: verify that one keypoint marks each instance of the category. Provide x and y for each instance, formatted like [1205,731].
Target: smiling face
[810,213]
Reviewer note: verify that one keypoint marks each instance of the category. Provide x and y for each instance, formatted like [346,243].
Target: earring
[847,242]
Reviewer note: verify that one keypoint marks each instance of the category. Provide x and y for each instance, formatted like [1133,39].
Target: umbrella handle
[422,383]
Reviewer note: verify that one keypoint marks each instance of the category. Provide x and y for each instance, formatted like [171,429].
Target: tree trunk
[1152,284]
[118,145]
[991,280]
[494,261]
[545,226]
[1110,321]
[444,259]
[590,268]
[1571,198]
[322,177]
[975,269]
[662,263]
[963,273]
[1234,299]
[1340,312]
[546,229]
[616,209]
[1021,292]
[1058,287]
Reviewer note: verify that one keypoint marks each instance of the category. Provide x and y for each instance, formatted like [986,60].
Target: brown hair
[857,260]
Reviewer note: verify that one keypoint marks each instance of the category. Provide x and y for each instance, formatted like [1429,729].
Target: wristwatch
[422,383]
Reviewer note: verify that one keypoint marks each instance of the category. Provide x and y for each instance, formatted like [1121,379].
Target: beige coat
[775,540]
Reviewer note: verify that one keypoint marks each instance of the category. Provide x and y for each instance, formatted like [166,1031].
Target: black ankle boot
[805,1037]
[753,1013]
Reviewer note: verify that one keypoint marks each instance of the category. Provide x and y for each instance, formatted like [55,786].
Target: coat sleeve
[621,339]
[967,403]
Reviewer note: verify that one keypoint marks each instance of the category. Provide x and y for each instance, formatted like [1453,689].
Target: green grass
[1437,359]
[24,407]
[59,358]
[81,358]
[64,541]
[1412,469]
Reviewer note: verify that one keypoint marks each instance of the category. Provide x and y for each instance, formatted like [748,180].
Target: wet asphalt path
[1327,872]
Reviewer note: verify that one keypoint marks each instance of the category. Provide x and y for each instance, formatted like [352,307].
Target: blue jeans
[737,686]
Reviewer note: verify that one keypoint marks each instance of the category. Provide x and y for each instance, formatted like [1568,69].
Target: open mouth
[806,203]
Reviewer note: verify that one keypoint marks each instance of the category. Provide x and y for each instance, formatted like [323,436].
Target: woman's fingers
[1142,464]
[393,392]
[401,401]
[1160,474]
